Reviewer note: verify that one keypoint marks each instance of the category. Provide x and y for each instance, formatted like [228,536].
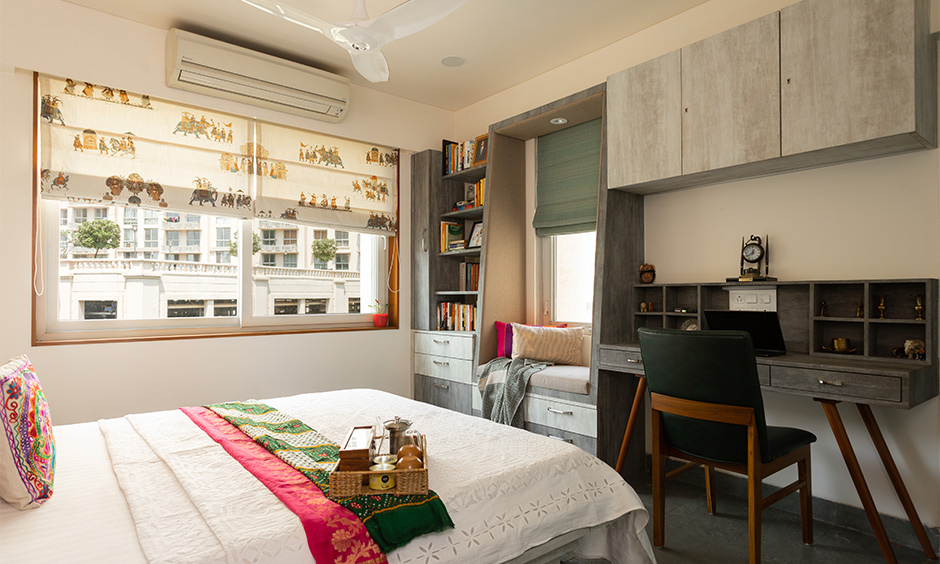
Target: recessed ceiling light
[453,61]
[558,121]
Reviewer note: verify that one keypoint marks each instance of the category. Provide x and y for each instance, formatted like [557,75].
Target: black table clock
[754,253]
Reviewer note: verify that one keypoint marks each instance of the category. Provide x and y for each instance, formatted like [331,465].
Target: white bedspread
[506,490]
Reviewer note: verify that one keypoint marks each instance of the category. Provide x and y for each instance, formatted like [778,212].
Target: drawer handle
[442,341]
[444,386]
[634,360]
[441,362]
[560,412]
[557,438]
[828,383]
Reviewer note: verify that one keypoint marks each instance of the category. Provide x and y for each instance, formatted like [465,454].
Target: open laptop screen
[763,326]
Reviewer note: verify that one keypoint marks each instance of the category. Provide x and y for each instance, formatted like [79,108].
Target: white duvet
[506,490]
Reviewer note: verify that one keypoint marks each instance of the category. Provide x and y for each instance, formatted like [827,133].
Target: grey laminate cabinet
[731,97]
[849,73]
[644,121]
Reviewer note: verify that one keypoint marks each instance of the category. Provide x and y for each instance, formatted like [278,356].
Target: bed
[512,495]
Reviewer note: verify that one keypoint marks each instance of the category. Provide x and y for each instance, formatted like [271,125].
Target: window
[173,257]
[193,218]
[80,215]
[342,238]
[101,213]
[172,238]
[352,305]
[171,217]
[64,217]
[269,237]
[342,261]
[151,217]
[319,234]
[224,308]
[191,257]
[130,216]
[269,259]
[193,238]
[290,236]
[319,264]
[223,257]
[130,237]
[285,306]
[128,256]
[316,306]
[150,238]
[290,260]
[568,281]
[185,308]
[99,309]
[223,236]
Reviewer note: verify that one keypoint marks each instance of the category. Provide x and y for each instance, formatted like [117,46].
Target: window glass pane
[573,277]
[223,236]
[342,238]
[101,213]
[97,309]
[268,259]
[129,215]
[352,306]
[172,238]
[185,308]
[193,238]
[224,308]
[269,237]
[342,262]
[290,236]
[290,260]
[285,306]
[80,215]
[317,305]
[150,237]
[223,257]
[63,217]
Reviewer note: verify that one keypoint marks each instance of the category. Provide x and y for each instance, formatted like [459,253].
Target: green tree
[255,244]
[324,249]
[97,234]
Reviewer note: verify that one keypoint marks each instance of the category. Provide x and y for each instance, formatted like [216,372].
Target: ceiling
[505,42]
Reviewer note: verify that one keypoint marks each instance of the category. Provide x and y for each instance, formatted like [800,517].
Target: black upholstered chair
[707,409]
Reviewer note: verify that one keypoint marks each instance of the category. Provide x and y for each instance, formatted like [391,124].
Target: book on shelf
[469,276]
[451,231]
[456,316]
[456,245]
[457,156]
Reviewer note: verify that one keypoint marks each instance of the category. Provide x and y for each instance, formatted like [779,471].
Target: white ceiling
[505,42]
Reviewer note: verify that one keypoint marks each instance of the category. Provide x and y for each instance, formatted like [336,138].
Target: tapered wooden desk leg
[869,418]
[855,470]
[631,422]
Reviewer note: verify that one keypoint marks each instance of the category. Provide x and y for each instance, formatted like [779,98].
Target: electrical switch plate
[762,298]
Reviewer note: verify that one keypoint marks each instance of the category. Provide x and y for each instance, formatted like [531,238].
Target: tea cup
[409,463]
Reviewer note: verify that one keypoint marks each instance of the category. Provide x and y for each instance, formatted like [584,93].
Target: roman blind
[99,144]
[568,178]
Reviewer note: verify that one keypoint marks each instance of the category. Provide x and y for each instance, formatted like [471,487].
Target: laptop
[763,326]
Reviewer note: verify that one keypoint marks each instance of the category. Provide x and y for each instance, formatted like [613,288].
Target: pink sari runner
[335,535]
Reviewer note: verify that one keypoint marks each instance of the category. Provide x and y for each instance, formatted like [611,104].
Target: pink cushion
[27,455]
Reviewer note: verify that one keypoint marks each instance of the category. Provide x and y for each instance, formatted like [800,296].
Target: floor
[695,537]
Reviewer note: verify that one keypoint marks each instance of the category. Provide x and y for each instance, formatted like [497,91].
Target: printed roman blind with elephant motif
[100,144]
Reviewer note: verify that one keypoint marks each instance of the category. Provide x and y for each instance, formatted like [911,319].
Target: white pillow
[548,344]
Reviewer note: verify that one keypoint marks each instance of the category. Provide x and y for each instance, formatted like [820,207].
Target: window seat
[559,377]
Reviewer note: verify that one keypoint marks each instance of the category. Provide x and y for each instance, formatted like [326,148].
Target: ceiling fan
[364,37]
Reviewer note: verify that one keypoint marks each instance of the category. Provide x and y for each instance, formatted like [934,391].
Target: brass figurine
[881,306]
[823,309]
[642,307]
[919,306]
[860,310]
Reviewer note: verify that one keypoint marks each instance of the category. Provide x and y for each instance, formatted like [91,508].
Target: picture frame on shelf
[476,236]
[470,193]
[480,146]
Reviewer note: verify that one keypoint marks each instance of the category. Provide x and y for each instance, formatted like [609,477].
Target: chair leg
[806,497]
[659,481]
[754,517]
[710,498]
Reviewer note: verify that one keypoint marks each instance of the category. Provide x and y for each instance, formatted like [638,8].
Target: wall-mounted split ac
[208,66]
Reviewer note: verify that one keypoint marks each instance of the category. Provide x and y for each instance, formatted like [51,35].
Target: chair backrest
[707,366]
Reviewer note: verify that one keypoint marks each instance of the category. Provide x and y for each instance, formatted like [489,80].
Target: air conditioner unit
[208,66]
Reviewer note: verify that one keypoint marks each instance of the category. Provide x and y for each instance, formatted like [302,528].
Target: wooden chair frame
[755,469]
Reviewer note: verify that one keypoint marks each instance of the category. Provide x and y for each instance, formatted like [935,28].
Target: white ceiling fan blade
[413,16]
[293,15]
[371,64]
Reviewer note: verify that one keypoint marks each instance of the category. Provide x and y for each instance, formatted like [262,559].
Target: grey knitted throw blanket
[503,390]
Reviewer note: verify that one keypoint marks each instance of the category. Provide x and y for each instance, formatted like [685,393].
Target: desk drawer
[445,368]
[577,418]
[585,443]
[830,383]
[445,344]
[620,359]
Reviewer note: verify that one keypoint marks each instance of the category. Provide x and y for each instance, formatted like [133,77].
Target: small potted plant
[380,317]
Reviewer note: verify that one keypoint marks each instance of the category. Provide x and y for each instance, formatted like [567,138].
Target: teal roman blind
[569,170]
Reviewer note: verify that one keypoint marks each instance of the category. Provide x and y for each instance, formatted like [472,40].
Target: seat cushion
[783,440]
[560,377]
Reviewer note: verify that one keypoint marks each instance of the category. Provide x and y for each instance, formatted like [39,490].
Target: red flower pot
[380,319]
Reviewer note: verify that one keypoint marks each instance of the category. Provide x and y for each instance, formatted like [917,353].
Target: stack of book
[451,236]
[455,316]
[457,156]
[469,276]
[479,193]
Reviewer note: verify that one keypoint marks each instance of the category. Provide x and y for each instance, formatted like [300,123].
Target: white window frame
[545,299]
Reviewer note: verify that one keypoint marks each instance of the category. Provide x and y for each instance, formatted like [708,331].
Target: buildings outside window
[224,308]
[319,234]
[151,217]
[172,238]
[129,256]
[80,215]
[342,261]
[290,260]
[64,217]
[130,216]
[268,237]
[313,306]
[342,238]
[352,305]
[185,308]
[319,264]
[268,259]
[193,238]
[101,213]
[130,237]
[173,256]
[192,257]
[97,309]
[193,218]
[223,236]
[290,237]
[223,257]
[150,237]
[286,306]
[570,279]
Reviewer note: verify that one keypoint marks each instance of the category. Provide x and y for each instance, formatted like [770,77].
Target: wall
[82,381]
[870,219]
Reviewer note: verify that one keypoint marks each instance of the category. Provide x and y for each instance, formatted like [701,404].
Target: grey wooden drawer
[830,383]
[585,443]
[620,359]
[443,393]
[444,344]
[445,368]
[763,374]
[561,414]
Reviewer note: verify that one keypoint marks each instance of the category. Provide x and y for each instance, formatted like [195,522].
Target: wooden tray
[407,482]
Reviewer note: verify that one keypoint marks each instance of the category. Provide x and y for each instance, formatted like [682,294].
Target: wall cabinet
[820,82]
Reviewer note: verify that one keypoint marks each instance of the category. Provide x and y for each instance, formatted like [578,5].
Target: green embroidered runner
[392,521]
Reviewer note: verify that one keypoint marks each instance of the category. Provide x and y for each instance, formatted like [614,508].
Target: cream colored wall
[870,219]
[87,382]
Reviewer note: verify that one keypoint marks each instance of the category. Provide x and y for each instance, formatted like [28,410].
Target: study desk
[827,379]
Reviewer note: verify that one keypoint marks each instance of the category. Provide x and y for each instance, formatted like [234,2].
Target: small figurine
[823,309]
[915,349]
[860,310]
[881,306]
[649,307]
[642,307]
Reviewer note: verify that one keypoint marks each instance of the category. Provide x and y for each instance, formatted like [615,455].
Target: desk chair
[706,407]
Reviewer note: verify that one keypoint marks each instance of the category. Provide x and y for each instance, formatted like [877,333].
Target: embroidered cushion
[548,344]
[27,456]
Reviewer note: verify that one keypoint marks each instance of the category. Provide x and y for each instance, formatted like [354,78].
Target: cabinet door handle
[560,412]
[557,438]
[442,386]
[634,360]
[828,383]
[441,362]
[442,341]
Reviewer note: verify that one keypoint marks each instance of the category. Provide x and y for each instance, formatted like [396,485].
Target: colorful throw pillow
[548,344]
[27,456]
